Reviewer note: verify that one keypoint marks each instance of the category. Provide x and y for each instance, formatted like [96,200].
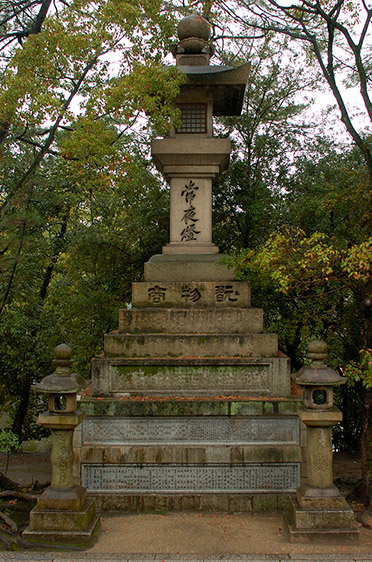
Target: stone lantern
[191,158]
[319,511]
[63,511]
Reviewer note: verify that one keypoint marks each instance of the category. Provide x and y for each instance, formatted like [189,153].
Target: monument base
[190,453]
[228,503]
[76,528]
[336,525]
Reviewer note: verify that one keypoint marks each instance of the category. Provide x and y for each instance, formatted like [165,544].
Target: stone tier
[326,525]
[187,267]
[194,320]
[177,453]
[193,376]
[76,528]
[190,345]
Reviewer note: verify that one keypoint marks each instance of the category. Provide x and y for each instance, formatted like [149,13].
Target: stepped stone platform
[190,406]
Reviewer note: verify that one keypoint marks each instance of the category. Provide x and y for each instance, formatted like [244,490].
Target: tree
[313,278]
[76,78]
[334,33]
[265,141]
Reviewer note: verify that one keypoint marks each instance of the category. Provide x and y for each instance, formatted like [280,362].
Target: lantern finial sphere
[62,351]
[193,26]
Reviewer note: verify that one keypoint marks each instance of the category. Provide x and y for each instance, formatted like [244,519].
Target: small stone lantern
[63,511]
[319,510]
[318,380]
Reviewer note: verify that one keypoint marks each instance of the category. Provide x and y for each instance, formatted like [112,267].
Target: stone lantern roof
[225,85]
[317,373]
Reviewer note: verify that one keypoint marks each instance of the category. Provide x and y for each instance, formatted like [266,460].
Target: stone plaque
[191,293]
[191,430]
[255,378]
[276,478]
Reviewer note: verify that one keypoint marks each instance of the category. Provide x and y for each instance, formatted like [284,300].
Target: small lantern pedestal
[63,512]
[319,512]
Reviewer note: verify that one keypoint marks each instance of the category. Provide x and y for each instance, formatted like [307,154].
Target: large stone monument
[191,405]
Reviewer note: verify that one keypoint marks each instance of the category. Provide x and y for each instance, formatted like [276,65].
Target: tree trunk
[365,447]
[21,411]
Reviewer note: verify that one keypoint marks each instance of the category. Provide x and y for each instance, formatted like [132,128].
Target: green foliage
[248,198]
[360,371]
[9,442]
[84,89]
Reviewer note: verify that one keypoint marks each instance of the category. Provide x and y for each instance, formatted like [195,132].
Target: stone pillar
[190,216]
[63,511]
[319,512]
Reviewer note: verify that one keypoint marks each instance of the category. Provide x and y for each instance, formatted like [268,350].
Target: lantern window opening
[60,403]
[320,396]
[193,118]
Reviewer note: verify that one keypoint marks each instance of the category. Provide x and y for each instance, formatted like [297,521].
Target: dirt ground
[194,533]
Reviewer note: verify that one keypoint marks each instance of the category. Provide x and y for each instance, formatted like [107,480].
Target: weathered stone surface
[72,498]
[195,377]
[183,454]
[187,267]
[192,295]
[192,377]
[223,406]
[191,215]
[192,381]
[323,518]
[232,503]
[64,520]
[177,478]
[191,430]
[58,530]
[232,320]
[310,497]
[334,535]
[207,156]
[194,345]
[319,455]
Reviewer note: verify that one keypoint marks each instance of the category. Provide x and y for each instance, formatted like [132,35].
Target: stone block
[100,432]
[265,504]
[67,520]
[320,525]
[196,380]
[64,499]
[239,503]
[187,267]
[320,536]
[189,502]
[185,345]
[197,320]
[81,538]
[270,454]
[191,295]
[214,502]
[190,216]
[197,377]
[197,152]
[217,454]
[190,478]
[323,518]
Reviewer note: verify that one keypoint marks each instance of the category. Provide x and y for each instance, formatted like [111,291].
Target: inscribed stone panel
[276,478]
[191,430]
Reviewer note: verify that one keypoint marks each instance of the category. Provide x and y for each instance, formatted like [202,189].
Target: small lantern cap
[57,384]
[317,373]
[62,381]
